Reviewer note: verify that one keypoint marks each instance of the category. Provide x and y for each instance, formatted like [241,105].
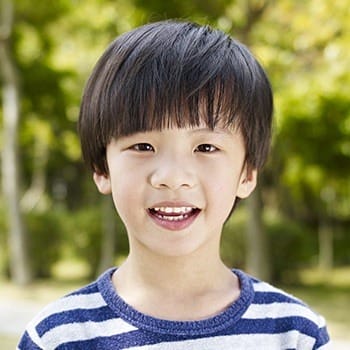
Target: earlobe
[247,183]
[103,183]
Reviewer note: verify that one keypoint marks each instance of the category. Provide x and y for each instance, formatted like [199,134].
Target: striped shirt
[95,317]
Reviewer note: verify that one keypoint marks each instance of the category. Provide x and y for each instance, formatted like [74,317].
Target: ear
[247,183]
[103,183]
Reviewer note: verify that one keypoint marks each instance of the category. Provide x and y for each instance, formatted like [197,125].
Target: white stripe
[328,346]
[289,340]
[80,301]
[34,335]
[268,288]
[84,331]
[280,310]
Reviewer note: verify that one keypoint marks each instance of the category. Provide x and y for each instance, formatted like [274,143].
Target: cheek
[224,181]
[129,198]
[124,194]
[224,190]
[123,189]
[225,187]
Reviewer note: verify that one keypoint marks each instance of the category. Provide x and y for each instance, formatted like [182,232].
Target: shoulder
[274,310]
[270,301]
[266,293]
[60,316]
[85,298]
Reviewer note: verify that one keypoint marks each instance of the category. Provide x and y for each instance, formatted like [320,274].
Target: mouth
[173,213]
[174,218]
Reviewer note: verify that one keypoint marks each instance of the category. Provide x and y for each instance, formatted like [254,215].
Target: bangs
[171,74]
[155,103]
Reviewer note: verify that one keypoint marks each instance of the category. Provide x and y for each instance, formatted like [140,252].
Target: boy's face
[175,188]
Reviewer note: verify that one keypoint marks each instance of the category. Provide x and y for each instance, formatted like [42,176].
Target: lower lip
[174,225]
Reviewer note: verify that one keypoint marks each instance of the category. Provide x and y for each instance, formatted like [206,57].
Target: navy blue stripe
[89,289]
[121,341]
[245,327]
[77,315]
[275,325]
[322,338]
[274,297]
[27,343]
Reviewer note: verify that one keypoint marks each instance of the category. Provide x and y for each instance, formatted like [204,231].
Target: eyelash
[206,148]
[142,147]
[146,147]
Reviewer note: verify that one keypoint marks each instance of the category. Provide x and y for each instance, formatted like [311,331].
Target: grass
[334,305]
[40,293]
[8,342]
[326,293]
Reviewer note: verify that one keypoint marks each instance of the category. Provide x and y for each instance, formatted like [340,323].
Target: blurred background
[57,232]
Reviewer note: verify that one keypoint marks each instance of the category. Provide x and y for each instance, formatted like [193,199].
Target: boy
[175,123]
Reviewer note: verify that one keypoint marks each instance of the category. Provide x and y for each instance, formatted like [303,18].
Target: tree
[19,258]
[257,243]
[309,68]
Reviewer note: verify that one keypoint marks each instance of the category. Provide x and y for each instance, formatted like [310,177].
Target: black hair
[175,74]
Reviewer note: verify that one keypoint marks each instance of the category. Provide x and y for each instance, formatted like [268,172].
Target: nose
[173,173]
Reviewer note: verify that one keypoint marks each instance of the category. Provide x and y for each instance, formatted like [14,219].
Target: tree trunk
[257,263]
[325,239]
[257,260]
[326,229]
[34,195]
[18,249]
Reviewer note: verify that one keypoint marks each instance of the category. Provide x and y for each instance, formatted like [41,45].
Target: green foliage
[305,46]
[59,234]
[81,232]
[83,236]
[196,9]
[341,245]
[308,168]
[292,247]
[233,246]
[44,245]
[45,241]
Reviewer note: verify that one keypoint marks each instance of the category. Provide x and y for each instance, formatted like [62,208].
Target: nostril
[171,181]
[172,173]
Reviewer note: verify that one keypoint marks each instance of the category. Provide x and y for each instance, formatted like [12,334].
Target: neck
[187,273]
[192,286]
[177,288]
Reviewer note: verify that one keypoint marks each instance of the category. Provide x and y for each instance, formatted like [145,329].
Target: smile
[173,218]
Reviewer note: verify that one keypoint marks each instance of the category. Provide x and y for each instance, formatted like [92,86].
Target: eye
[142,147]
[206,148]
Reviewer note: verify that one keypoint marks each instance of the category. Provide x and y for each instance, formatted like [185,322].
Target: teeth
[173,210]
[172,213]
[173,218]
